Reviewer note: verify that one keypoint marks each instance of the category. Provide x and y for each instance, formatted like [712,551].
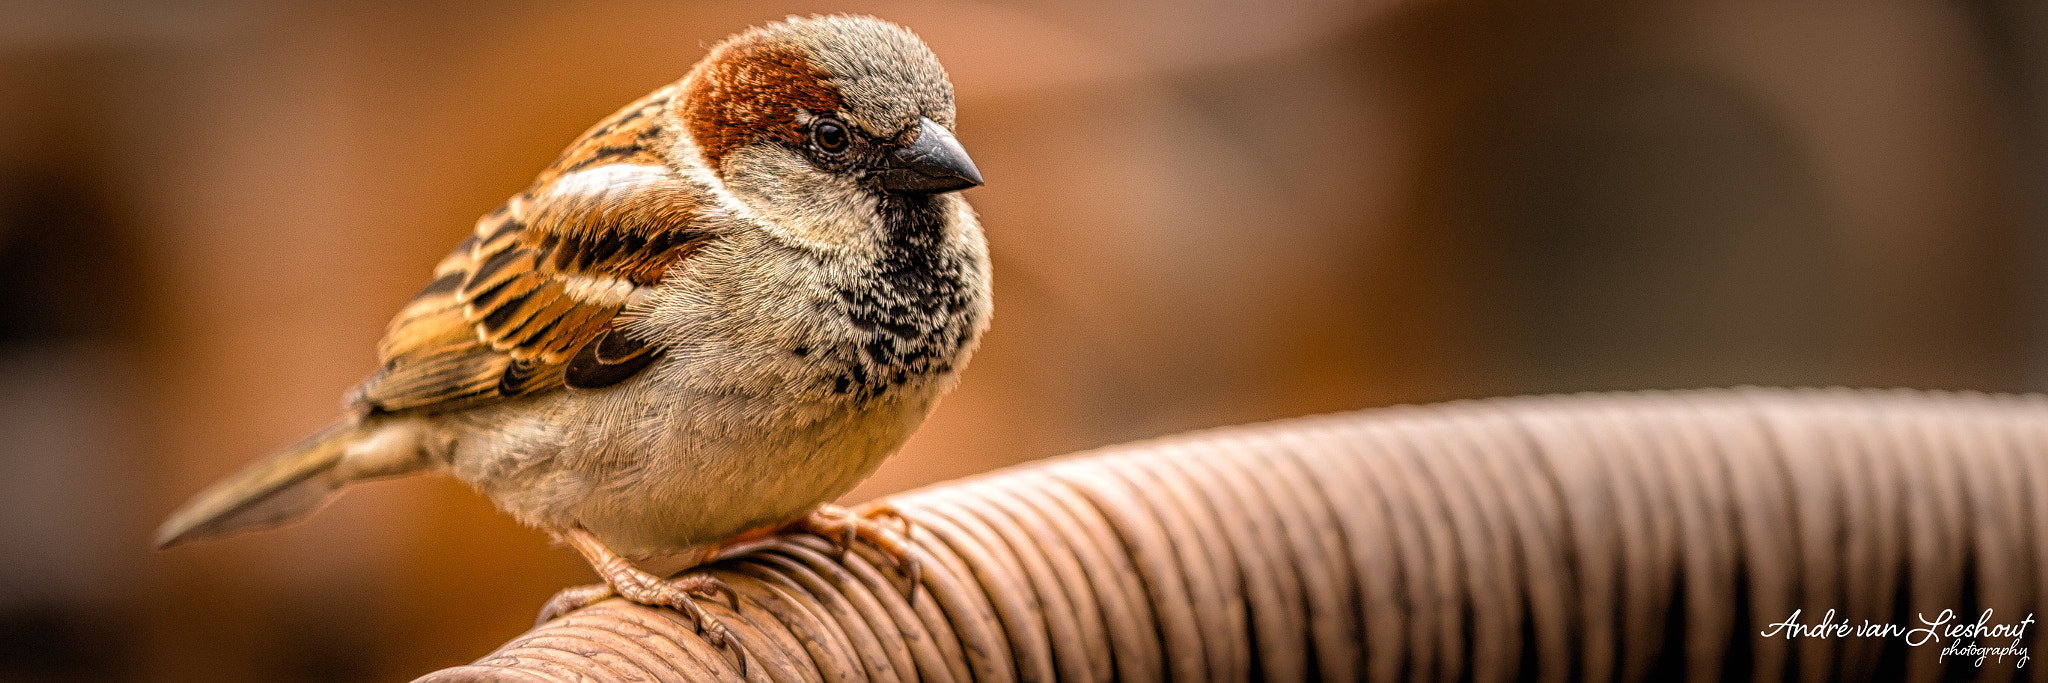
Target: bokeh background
[1201,213]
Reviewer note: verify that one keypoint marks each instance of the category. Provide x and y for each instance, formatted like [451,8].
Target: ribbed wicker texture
[1598,537]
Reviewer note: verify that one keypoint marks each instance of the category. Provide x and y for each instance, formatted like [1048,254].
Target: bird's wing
[530,303]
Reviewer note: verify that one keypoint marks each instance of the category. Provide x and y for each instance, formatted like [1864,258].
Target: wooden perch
[1622,536]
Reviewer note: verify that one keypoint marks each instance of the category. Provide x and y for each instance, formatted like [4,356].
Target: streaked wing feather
[609,359]
[524,304]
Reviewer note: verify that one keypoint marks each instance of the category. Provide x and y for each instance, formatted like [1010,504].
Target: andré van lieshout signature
[1961,637]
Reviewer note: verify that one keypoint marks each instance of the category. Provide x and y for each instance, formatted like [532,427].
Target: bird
[717,311]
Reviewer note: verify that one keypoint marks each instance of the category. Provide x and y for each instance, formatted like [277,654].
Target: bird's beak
[934,163]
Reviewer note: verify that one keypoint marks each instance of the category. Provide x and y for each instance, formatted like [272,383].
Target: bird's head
[815,123]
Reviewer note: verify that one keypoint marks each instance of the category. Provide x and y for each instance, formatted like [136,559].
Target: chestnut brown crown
[854,95]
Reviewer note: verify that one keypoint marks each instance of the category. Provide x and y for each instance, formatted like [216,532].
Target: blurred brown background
[1201,213]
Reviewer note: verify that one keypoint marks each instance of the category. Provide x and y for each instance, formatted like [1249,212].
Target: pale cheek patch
[800,201]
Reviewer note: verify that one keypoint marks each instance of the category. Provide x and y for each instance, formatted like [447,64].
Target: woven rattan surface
[1599,537]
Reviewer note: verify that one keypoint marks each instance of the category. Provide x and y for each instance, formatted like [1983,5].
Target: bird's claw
[635,584]
[571,599]
[677,594]
[882,526]
[710,628]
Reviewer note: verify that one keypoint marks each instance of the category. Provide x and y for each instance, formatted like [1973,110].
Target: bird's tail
[294,483]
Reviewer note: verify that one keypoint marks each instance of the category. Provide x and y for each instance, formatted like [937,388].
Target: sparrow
[717,311]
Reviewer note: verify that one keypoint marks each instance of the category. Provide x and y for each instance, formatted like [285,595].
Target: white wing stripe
[603,291]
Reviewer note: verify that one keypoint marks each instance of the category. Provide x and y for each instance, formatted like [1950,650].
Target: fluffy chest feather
[758,313]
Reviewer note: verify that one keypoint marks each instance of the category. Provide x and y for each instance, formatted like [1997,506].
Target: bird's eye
[830,135]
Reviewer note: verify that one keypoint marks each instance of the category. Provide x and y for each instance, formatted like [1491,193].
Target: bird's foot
[627,581]
[881,526]
[573,598]
[673,593]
